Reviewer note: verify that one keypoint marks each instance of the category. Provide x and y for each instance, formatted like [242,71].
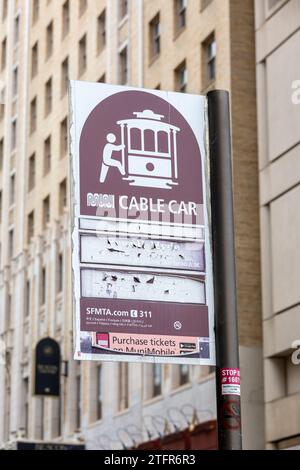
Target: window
[181,78]
[59,418]
[34,60]
[27,300]
[30,226]
[26,404]
[62,196]
[3,53]
[60,268]
[101,33]
[17,29]
[123,5]
[35,11]
[78,402]
[157,380]
[48,97]
[204,4]
[180,14]
[49,40]
[184,374]
[43,287]
[14,125]
[64,76]
[123,66]
[12,188]
[123,386]
[1,153]
[63,137]
[46,211]
[47,155]
[8,318]
[65,18]
[31,172]
[99,392]
[33,114]
[4,9]
[11,243]
[209,62]
[15,81]
[2,101]
[82,59]
[42,418]
[82,6]
[155,36]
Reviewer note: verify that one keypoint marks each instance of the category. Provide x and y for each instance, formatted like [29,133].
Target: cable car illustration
[148,151]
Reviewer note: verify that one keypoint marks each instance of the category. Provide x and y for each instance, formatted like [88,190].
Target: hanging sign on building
[44,445]
[47,368]
[141,254]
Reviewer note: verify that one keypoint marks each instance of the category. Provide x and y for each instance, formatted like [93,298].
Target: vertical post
[227,356]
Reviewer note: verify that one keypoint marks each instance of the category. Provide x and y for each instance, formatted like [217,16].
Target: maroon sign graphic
[137,151]
[122,316]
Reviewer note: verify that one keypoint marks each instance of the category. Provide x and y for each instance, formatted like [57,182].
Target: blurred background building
[188,46]
[277,46]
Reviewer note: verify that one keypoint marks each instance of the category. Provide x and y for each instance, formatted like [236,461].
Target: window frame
[155,37]
[34,59]
[64,77]
[123,9]
[46,211]
[209,60]
[123,65]
[30,226]
[65,18]
[82,55]
[14,134]
[48,96]
[47,155]
[101,31]
[33,114]
[181,71]
[63,195]
[31,174]
[180,11]
[64,137]
[4,53]
[49,39]
[184,378]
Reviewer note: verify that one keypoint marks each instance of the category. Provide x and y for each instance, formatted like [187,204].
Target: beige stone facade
[278,40]
[188,46]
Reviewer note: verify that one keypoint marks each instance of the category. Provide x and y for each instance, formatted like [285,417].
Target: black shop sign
[47,368]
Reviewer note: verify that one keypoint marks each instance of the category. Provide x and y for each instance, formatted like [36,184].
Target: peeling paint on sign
[122,285]
[142,252]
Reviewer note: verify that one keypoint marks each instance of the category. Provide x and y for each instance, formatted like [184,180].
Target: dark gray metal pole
[227,356]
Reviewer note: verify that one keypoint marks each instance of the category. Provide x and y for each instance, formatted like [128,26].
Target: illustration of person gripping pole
[108,161]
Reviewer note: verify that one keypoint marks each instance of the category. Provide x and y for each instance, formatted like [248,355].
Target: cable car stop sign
[141,254]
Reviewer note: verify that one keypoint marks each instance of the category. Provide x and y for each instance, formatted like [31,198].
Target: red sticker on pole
[230,381]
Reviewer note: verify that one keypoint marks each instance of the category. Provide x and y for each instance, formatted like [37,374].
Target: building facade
[278,74]
[188,46]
